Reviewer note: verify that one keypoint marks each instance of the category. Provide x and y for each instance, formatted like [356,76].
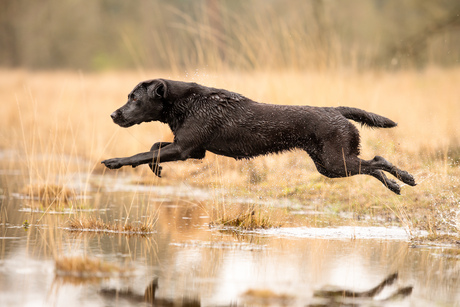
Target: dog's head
[146,103]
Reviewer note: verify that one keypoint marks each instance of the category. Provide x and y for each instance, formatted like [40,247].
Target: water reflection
[148,297]
[198,266]
[347,297]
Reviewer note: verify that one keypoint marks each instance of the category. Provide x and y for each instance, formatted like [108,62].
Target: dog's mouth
[125,124]
[120,121]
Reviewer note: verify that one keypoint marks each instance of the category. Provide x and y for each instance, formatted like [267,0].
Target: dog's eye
[134,99]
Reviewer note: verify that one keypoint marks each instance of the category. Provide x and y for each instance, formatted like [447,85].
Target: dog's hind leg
[382,164]
[354,166]
[338,157]
[337,165]
[389,183]
[375,168]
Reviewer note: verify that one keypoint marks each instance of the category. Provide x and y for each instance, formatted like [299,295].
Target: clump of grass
[249,219]
[52,197]
[452,253]
[436,239]
[85,267]
[49,193]
[98,225]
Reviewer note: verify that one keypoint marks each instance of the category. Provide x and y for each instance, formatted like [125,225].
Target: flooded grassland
[178,259]
[217,232]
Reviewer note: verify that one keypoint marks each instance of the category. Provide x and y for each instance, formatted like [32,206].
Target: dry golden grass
[435,239]
[90,223]
[49,193]
[250,218]
[67,114]
[59,123]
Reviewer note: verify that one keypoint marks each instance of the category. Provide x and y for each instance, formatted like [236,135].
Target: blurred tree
[9,53]
[413,49]
[257,34]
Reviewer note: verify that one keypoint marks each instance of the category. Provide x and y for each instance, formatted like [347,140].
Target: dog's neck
[174,115]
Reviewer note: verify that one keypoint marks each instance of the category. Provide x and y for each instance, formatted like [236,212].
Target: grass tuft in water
[435,239]
[249,219]
[98,225]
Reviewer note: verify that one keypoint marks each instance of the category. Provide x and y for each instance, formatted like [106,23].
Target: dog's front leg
[171,152]
[134,161]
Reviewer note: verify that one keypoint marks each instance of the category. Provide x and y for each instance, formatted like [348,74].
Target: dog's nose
[114,115]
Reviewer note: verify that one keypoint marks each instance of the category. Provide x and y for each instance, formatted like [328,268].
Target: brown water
[190,264]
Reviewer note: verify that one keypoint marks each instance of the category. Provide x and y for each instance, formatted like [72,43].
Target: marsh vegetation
[425,141]
[74,233]
[56,194]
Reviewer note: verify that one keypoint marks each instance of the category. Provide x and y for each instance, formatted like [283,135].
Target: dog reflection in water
[324,297]
[330,296]
[148,297]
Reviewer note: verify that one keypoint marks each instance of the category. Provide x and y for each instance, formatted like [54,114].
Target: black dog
[226,123]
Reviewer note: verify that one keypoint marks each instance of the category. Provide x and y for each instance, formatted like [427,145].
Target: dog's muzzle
[120,120]
[115,115]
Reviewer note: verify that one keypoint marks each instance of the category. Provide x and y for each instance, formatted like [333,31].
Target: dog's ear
[168,90]
[159,89]
[156,89]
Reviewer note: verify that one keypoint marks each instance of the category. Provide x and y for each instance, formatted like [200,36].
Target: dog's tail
[366,118]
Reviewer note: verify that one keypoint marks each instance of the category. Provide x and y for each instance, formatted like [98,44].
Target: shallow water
[194,265]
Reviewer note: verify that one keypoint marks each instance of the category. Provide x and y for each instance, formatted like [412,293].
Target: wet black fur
[229,124]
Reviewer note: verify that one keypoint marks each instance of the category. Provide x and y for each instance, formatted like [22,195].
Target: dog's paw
[407,178]
[112,163]
[156,169]
[393,186]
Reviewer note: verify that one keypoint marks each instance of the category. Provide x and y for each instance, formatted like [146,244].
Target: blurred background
[261,34]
